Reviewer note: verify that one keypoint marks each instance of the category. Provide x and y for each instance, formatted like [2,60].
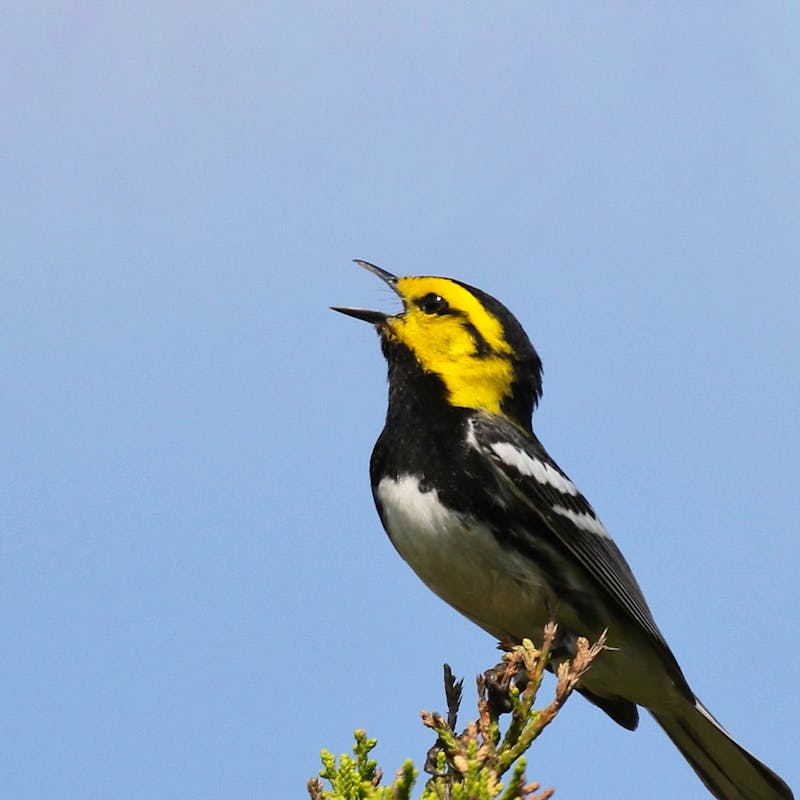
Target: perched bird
[472,501]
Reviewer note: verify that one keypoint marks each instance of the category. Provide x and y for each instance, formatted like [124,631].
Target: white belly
[461,561]
[504,592]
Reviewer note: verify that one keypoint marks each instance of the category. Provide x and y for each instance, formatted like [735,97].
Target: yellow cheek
[483,383]
[443,347]
[448,342]
[436,341]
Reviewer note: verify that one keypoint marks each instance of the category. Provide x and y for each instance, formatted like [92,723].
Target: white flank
[407,504]
[582,520]
[538,470]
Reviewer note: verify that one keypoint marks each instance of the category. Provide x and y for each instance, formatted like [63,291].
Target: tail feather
[726,768]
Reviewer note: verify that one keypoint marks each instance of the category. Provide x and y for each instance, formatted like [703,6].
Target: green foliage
[469,765]
[359,778]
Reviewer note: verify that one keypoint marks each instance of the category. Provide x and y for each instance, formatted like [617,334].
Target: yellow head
[464,337]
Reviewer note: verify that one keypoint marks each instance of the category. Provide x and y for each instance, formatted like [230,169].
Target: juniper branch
[471,764]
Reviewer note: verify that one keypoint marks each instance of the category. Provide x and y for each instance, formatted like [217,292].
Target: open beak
[374,317]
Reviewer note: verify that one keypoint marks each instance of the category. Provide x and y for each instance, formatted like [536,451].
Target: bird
[485,517]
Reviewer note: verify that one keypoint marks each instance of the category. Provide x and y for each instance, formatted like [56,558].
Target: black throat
[424,435]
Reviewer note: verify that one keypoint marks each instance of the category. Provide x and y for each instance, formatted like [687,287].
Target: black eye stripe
[433,303]
[481,345]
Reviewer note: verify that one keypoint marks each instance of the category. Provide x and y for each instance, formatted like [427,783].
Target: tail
[726,768]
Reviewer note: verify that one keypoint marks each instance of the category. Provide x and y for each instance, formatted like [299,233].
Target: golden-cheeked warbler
[473,502]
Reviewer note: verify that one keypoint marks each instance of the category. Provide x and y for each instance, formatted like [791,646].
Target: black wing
[539,487]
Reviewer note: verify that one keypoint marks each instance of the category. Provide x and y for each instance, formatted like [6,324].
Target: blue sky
[196,592]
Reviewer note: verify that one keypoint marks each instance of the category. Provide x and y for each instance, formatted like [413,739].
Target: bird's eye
[432,304]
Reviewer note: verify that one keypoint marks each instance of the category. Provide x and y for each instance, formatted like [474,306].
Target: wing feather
[539,487]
